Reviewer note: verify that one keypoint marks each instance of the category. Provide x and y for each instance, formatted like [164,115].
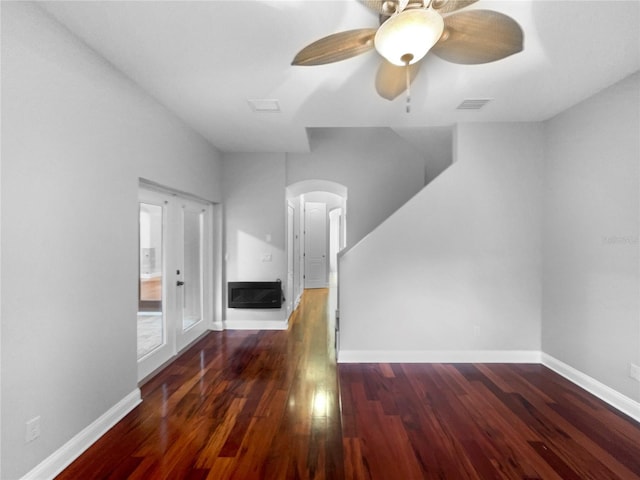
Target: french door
[175,244]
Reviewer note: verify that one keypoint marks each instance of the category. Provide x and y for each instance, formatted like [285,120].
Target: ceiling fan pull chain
[408,78]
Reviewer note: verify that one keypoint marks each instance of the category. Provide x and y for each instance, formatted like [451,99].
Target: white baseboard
[61,458]
[256,324]
[439,356]
[591,385]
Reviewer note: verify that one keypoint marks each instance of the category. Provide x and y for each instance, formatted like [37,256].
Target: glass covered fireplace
[255,294]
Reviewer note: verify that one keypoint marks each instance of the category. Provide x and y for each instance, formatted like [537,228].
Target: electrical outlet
[33,429]
[634,371]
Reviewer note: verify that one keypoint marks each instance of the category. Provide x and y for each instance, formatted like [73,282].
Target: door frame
[290,250]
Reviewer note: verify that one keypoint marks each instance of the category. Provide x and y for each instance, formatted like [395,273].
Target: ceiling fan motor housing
[407,36]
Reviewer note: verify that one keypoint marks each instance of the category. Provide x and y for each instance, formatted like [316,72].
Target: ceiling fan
[409,29]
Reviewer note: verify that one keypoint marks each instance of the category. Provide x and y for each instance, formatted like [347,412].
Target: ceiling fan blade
[386,7]
[375,5]
[478,36]
[336,47]
[391,80]
[448,6]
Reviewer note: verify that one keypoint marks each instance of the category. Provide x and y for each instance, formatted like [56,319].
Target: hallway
[238,404]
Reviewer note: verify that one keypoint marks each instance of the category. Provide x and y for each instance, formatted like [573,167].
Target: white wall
[434,144]
[255,228]
[591,314]
[330,199]
[457,269]
[380,170]
[76,138]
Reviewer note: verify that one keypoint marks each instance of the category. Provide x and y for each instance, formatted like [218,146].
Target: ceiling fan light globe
[409,34]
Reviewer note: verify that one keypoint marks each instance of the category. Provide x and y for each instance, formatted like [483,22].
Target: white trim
[61,458]
[439,356]
[256,324]
[591,385]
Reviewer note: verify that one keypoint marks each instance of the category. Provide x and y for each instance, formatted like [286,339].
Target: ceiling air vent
[264,105]
[473,104]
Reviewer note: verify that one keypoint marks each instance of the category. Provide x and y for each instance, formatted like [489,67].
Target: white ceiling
[205,59]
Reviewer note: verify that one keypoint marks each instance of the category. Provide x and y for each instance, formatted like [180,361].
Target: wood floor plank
[508,436]
[576,443]
[355,465]
[560,468]
[559,435]
[273,405]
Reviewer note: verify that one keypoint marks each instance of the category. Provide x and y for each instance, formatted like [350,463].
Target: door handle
[179,283]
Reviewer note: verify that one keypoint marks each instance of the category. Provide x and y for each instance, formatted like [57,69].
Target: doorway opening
[316,233]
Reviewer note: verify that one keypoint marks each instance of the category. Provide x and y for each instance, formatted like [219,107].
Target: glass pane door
[151,333]
[193,263]
[175,256]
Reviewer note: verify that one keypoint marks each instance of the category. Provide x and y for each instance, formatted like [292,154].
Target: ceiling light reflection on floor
[320,403]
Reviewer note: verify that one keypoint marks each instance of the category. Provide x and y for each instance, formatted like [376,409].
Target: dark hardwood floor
[266,405]
[480,421]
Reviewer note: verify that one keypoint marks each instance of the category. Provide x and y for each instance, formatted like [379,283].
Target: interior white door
[315,245]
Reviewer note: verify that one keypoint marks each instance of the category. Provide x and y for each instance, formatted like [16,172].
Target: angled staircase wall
[456,270]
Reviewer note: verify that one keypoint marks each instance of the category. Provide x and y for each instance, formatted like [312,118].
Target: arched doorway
[316,222]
